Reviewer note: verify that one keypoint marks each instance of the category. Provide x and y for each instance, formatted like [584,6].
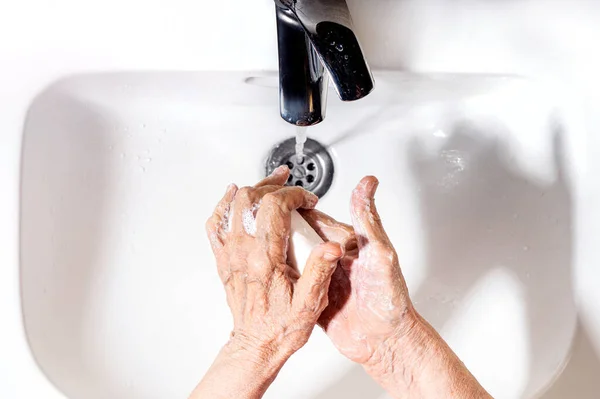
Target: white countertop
[41,42]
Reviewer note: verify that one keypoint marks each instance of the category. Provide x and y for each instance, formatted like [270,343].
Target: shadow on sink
[63,234]
[492,217]
[580,377]
[355,384]
[495,218]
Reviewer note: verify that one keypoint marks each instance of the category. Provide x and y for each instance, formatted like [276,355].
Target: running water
[300,140]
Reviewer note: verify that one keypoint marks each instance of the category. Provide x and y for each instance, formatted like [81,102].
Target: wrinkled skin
[368,298]
[359,297]
[274,308]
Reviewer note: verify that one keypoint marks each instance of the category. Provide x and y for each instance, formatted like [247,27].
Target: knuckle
[299,192]
[212,225]
[225,277]
[387,252]
[244,193]
[271,199]
[209,225]
[320,275]
[258,262]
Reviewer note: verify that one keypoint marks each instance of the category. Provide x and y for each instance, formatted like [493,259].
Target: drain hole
[314,171]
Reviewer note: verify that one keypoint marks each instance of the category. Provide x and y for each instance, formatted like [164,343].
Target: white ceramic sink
[120,295]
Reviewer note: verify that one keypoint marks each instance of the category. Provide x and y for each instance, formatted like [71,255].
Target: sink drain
[314,172]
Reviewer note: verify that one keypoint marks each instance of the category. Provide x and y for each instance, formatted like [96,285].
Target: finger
[330,229]
[277,178]
[274,217]
[340,290]
[217,224]
[245,210]
[365,218]
[311,293]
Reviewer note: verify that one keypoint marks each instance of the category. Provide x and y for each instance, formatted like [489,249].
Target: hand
[274,308]
[370,317]
[369,306]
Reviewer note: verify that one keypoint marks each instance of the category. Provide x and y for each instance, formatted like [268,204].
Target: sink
[120,295]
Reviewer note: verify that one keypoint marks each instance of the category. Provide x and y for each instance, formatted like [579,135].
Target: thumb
[365,218]
[311,293]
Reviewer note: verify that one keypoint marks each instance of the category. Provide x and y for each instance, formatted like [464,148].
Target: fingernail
[331,257]
[280,170]
[334,254]
[230,188]
[313,200]
[369,186]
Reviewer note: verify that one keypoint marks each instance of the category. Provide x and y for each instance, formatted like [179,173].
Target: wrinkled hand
[274,308]
[369,304]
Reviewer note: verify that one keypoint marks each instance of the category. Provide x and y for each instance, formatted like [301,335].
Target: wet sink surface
[121,298]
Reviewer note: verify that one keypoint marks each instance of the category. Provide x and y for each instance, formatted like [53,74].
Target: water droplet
[346,57]
[122,155]
[440,134]
[143,125]
[333,42]
[526,248]
[339,47]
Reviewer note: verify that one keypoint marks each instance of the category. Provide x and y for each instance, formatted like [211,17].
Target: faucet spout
[316,39]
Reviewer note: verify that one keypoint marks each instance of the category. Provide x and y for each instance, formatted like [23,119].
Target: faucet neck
[315,36]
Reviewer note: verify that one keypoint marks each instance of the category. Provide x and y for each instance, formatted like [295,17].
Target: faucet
[316,41]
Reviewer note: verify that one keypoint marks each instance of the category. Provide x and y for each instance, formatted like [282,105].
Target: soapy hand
[362,302]
[369,306]
[364,307]
[274,308]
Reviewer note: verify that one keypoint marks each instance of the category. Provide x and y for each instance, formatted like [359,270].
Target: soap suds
[226,222]
[249,219]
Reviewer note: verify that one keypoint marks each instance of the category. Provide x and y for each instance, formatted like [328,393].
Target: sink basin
[120,295]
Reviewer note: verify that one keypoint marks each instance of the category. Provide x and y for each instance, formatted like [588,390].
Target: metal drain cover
[314,172]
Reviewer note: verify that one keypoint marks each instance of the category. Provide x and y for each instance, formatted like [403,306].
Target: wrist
[243,370]
[418,363]
[400,359]
[253,355]
[395,349]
